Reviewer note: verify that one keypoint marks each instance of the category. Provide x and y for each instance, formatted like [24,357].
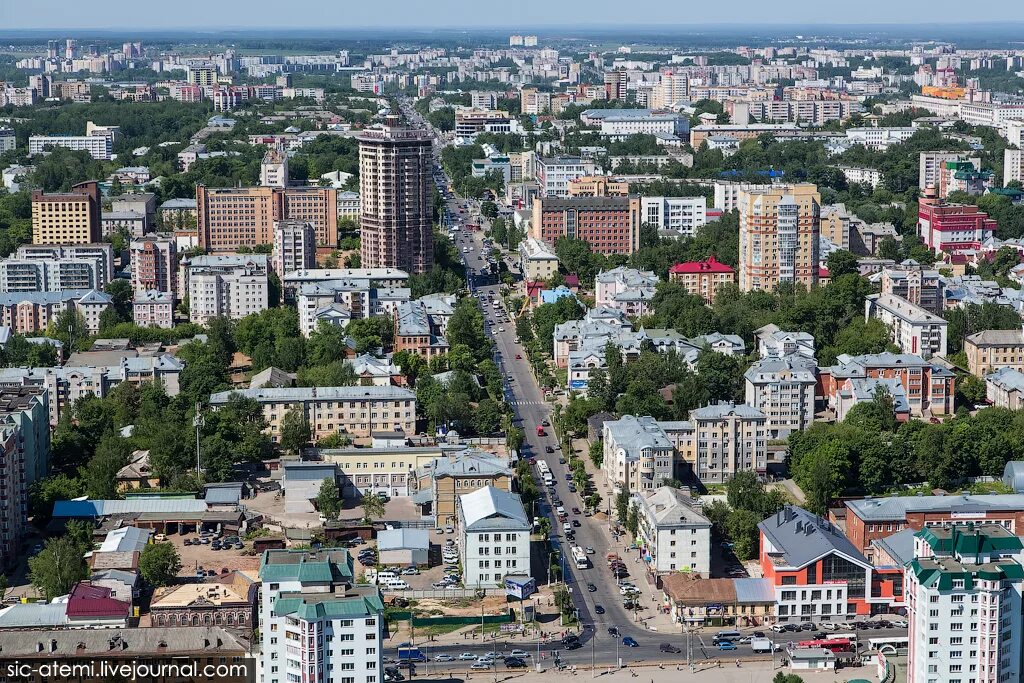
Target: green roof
[321,566]
[310,608]
[968,540]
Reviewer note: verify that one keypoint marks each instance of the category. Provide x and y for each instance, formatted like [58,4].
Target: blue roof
[550,296]
[103,508]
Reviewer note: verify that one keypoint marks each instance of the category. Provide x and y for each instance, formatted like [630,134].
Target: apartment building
[879,138]
[153,308]
[674,216]
[395,166]
[469,122]
[952,228]
[27,312]
[933,164]
[860,175]
[24,459]
[929,387]
[555,173]
[99,147]
[813,112]
[154,264]
[420,325]
[225,286]
[348,205]
[71,217]
[537,261]
[913,329]
[380,469]
[638,456]
[917,284]
[312,615]
[232,217]
[379,278]
[775,342]
[626,289]
[337,302]
[964,596]
[783,387]
[702,278]
[727,438]
[44,275]
[620,123]
[294,246]
[835,224]
[674,535]
[534,101]
[1005,388]
[449,475]
[610,225]
[727,193]
[494,537]
[991,350]
[274,168]
[355,410]
[779,231]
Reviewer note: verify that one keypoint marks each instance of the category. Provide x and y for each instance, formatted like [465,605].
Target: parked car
[481,665]
[598,609]
[410,571]
[613,631]
[444,657]
[591,588]
[519,653]
[466,656]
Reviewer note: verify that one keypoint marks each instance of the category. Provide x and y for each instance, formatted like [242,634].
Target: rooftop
[898,507]
[491,508]
[796,537]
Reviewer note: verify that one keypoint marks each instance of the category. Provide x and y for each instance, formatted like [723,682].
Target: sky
[211,15]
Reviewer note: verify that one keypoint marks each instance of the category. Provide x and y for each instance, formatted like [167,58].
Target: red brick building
[702,278]
[929,387]
[610,225]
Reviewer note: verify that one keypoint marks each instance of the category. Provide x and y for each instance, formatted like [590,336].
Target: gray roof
[795,367]
[490,508]
[308,471]
[899,546]
[671,508]
[633,434]
[1013,475]
[897,507]
[469,463]
[1013,337]
[854,366]
[126,539]
[104,508]
[183,203]
[229,493]
[754,590]
[122,643]
[34,615]
[130,578]
[84,295]
[726,409]
[295,394]
[798,537]
[403,539]
[864,388]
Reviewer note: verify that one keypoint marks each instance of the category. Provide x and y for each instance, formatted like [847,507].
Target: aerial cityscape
[585,339]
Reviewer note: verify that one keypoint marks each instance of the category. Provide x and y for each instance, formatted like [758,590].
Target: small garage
[403,547]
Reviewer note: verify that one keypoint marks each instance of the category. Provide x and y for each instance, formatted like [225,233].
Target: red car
[519,356]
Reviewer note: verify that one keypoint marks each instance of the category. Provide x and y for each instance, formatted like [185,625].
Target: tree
[633,520]
[159,564]
[121,292]
[742,529]
[487,418]
[295,430]
[57,567]
[596,453]
[99,476]
[622,504]
[841,262]
[373,506]
[69,329]
[514,438]
[328,500]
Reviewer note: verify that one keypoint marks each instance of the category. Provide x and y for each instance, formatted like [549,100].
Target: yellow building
[779,231]
[449,477]
[598,186]
[992,350]
[71,217]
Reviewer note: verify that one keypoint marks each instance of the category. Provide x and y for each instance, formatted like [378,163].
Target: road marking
[527,403]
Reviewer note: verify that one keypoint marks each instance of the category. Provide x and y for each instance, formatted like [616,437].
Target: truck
[411,654]
[762,645]
[580,557]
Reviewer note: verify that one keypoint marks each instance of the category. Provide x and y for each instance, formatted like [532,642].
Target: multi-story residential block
[919,285]
[555,173]
[355,411]
[638,456]
[674,535]
[615,84]
[702,278]
[913,329]
[71,217]
[420,326]
[534,101]
[626,289]
[964,595]
[311,597]
[8,140]
[865,390]
[991,350]
[26,312]
[952,228]
[1013,166]
[348,205]
[835,225]
[274,168]
[98,146]
[451,475]
[153,308]
[337,302]
[229,286]
[494,537]
[130,223]
[728,192]
[232,217]
[932,165]
[294,246]
[480,99]
[620,123]
[929,387]
[1004,388]
[610,225]
[674,216]
[879,138]
[537,261]
[820,575]
[45,275]
[317,206]
[727,438]
[24,459]
[154,264]
[143,203]
[779,230]
[861,175]
[395,166]
[378,278]
[772,341]
[782,387]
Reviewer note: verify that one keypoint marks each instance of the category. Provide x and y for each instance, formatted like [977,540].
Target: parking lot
[426,577]
[194,557]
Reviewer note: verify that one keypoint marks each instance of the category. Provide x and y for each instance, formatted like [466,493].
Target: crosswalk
[527,403]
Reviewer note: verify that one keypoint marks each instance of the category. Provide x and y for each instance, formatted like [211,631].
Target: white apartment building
[44,275]
[494,537]
[554,174]
[294,246]
[963,595]
[992,114]
[378,277]
[638,455]
[621,123]
[861,175]
[914,330]
[100,252]
[782,387]
[625,289]
[932,165]
[315,624]
[680,216]
[338,302]
[231,286]
[727,193]
[879,138]
[772,341]
[153,308]
[348,205]
[1013,166]
[674,535]
[274,168]
[98,146]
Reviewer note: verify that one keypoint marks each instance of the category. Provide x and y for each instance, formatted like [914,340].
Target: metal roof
[754,590]
[103,508]
[491,508]
[897,507]
[403,539]
[797,537]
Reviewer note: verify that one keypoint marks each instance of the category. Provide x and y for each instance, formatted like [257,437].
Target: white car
[410,571]
[627,589]
[467,656]
[519,653]
[829,626]
[444,658]
[899,623]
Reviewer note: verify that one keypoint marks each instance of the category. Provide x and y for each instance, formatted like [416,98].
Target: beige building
[835,224]
[71,217]
[720,440]
[355,411]
[702,278]
[598,186]
[992,350]
[227,600]
[537,261]
[779,231]
[232,217]
[390,470]
[446,478]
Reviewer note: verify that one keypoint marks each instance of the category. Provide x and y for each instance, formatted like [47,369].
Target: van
[396,584]
[567,527]
[384,577]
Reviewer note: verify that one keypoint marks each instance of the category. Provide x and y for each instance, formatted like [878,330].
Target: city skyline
[457,14]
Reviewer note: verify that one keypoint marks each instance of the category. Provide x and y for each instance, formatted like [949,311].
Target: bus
[891,645]
[545,473]
[580,556]
[834,644]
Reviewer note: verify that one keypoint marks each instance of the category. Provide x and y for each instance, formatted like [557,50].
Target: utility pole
[198,421]
[593,653]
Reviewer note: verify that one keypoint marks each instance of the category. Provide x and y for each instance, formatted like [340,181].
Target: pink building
[153,308]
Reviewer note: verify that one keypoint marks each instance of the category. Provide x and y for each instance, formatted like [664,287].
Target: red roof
[87,600]
[572,280]
[712,265]
[823,272]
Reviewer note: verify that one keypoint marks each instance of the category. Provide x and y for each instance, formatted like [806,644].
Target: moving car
[481,665]
[592,588]
[598,609]
[726,645]
[629,642]
[669,647]
[443,657]
[466,656]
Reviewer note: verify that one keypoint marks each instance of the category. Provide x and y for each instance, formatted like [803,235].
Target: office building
[951,228]
[964,596]
[274,168]
[674,535]
[71,217]
[913,329]
[355,411]
[379,278]
[702,278]
[674,216]
[621,123]
[494,537]
[555,173]
[610,225]
[779,231]
[597,186]
[294,246]
[348,205]
[99,147]
[311,597]
[395,166]
[470,122]
[638,456]
[447,476]
[782,387]
[317,206]
[225,286]
[154,265]
[233,217]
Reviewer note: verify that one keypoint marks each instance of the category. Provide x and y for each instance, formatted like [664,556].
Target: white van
[397,584]
[384,577]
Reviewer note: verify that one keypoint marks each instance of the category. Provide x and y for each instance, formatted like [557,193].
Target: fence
[450,593]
